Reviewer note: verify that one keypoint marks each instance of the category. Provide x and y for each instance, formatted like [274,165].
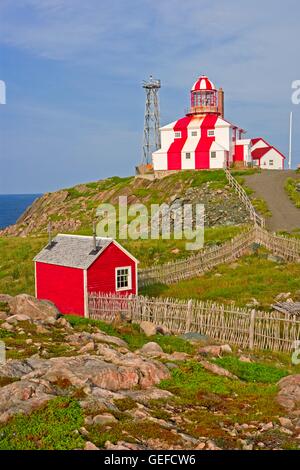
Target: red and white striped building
[204,139]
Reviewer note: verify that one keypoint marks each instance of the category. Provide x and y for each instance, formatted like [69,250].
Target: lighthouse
[203,139]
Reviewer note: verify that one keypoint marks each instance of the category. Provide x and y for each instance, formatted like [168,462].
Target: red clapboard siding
[61,285]
[101,274]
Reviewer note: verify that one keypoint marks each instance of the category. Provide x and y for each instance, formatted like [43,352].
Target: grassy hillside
[253,276]
[73,209]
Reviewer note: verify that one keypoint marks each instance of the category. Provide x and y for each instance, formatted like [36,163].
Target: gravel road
[269,185]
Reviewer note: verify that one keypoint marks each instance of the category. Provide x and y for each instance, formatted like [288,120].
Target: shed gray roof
[73,251]
[288,307]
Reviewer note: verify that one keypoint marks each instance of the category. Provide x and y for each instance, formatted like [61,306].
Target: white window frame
[194,133]
[210,133]
[177,134]
[188,155]
[271,162]
[213,152]
[129,287]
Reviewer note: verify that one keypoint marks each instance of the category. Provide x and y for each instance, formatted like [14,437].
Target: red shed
[72,266]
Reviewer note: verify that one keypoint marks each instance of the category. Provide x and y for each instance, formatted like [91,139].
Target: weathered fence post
[189,316]
[252,328]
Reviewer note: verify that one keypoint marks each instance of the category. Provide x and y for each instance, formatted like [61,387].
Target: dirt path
[269,185]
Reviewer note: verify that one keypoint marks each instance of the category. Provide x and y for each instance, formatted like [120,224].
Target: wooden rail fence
[208,258]
[243,196]
[238,326]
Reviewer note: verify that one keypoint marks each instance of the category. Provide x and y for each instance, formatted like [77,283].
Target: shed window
[194,133]
[213,154]
[210,133]
[188,155]
[178,135]
[123,278]
[271,162]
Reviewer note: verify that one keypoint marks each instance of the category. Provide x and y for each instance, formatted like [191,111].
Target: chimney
[49,233]
[94,237]
[221,102]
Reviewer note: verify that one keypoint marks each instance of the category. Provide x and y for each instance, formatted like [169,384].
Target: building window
[188,155]
[194,133]
[271,162]
[210,133]
[123,278]
[178,135]
[213,154]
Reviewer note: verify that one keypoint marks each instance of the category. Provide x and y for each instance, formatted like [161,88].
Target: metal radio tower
[151,141]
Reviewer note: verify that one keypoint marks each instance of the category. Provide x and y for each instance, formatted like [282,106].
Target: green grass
[16,265]
[291,188]
[50,428]
[237,401]
[251,276]
[252,372]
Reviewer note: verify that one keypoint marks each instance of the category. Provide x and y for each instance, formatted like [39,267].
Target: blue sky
[74,68]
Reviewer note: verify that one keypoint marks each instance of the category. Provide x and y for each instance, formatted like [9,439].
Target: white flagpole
[290,146]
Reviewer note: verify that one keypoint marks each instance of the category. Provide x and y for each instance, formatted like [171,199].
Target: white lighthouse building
[204,139]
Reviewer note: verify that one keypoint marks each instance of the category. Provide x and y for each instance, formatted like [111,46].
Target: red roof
[257,154]
[203,83]
[254,141]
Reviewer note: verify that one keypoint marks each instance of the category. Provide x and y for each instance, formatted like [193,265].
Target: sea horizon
[12,206]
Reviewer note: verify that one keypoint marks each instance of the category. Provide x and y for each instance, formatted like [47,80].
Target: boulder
[144,396]
[35,309]
[103,338]
[14,319]
[226,349]
[218,370]
[105,418]
[6,326]
[286,422]
[289,392]
[163,330]
[213,350]
[151,349]
[23,397]
[148,328]
[61,321]
[245,359]
[90,446]
[87,348]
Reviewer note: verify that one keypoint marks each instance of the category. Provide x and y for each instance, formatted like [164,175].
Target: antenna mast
[151,141]
[290,146]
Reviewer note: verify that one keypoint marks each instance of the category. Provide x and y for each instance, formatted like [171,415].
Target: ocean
[12,206]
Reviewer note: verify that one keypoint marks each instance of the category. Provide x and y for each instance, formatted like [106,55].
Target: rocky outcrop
[289,393]
[40,377]
[30,308]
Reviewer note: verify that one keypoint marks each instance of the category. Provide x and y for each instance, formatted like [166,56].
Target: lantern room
[205,98]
